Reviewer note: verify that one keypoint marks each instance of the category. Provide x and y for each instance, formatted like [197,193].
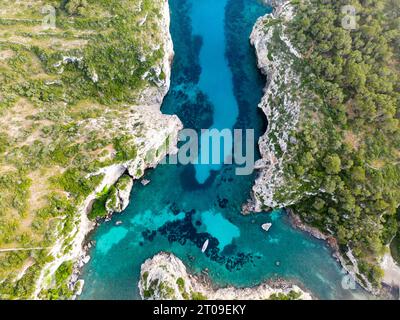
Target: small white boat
[145,182]
[266,226]
[205,245]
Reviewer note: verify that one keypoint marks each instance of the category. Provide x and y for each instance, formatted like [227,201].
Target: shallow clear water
[215,83]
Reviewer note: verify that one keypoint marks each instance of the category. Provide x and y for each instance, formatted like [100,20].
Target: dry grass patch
[352,140]
[378,164]
[16,120]
[41,186]
[11,9]
[6,168]
[6,54]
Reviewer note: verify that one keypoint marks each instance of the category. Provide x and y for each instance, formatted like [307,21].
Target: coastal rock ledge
[164,277]
[118,200]
[281,104]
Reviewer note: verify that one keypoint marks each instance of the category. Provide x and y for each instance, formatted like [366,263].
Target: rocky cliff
[164,277]
[314,153]
[281,104]
[80,108]
[119,196]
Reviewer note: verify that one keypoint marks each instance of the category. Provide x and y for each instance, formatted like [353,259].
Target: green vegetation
[163,290]
[107,201]
[123,182]
[181,285]
[76,7]
[65,97]
[166,291]
[150,289]
[292,295]
[395,244]
[145,276]
[345,154]
[198,296]
[60,289]
[99,205]
[157,288]
[395,248]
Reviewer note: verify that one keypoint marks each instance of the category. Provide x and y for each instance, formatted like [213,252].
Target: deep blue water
[215,84]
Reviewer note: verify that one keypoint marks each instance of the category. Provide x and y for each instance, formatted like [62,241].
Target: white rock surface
[159,281]
[391,271]
[282,81]
[118,200]
[266,226]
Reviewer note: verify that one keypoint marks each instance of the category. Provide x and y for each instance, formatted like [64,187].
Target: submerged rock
[145,182]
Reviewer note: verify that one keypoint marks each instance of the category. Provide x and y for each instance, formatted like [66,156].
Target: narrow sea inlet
[215,84]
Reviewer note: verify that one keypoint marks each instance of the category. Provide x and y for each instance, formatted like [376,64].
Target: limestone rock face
[281,104]
[391,269]
[118,199]
[164,277]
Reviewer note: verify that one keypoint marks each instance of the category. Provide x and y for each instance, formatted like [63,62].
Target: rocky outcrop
[118,198]
[316,233]
[266,226]
[164,277]
[281,104]
[155,95]
[391,270]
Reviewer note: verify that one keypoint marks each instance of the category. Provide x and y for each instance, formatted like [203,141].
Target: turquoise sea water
[215,80]
[215,84]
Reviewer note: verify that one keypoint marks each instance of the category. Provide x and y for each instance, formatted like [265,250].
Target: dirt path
[24,249]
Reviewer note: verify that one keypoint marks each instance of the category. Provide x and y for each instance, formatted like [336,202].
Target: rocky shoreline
[347,262]
[165,277]
[275,57]
[157,139]
[269,190]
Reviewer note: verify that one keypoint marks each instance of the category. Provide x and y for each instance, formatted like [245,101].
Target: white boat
[205,245]
[145,182]
[266,226]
